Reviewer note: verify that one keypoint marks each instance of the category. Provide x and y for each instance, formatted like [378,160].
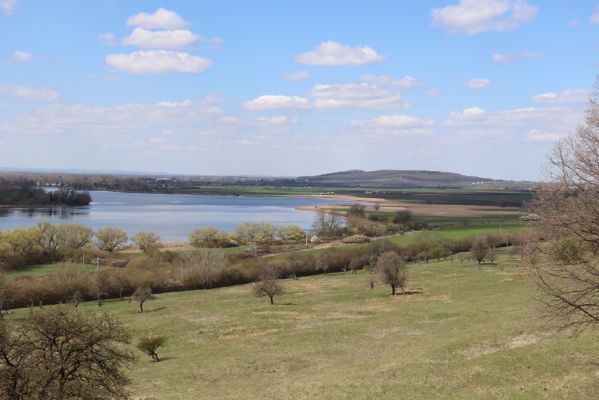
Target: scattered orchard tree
[61,355]
[268,284]
[479,249]
[149,345]
[392,271]
[143,294]
[110,239]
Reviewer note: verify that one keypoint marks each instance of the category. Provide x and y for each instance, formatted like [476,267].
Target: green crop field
[45,269]
[470,335]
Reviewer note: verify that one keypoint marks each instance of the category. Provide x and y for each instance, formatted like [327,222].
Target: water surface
[172,216]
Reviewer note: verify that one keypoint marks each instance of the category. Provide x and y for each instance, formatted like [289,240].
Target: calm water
[172,217]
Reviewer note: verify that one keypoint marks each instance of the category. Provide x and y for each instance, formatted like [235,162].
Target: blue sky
[482,87]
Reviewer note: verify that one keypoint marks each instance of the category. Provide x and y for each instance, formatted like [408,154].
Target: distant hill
[390,178]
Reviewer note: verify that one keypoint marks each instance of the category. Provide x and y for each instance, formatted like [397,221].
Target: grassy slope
[470,335]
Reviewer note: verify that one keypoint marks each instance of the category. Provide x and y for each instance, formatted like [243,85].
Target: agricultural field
[471,334]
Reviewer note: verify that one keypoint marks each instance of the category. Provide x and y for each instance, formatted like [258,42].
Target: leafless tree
[327,223]
[61,355]
[268,284]
[200,268]
[143,294]
[479,249]
[392,271]
[565,265]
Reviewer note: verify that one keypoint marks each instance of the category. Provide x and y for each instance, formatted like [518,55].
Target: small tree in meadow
[143,294]
[393,271]
[268,284]
[479,249]
[149,345]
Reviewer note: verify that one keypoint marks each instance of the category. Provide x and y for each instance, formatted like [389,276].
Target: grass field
[45,269]
[470,335]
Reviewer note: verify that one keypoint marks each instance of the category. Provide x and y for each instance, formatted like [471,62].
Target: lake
[171,216]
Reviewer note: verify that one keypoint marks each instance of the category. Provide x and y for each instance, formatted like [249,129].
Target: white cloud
[396,125]
[595,17]
[161,39]
[476,16]
[332,53]
[297,75]
[157,62]
[160,19]
[406,82]
[566,96]
[519,121]
[273,102]
[501,58]
[202,116]
[539,136]
[276,120]
[356,95]
[508,58]
[34,93]
[19,56]
[8,6]
[477,83]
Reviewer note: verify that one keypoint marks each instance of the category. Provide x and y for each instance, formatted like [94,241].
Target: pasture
[470,335]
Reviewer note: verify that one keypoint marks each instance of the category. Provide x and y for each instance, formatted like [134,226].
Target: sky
[282,88]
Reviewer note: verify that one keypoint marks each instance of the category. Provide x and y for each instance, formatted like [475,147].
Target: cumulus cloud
[173,39]
[19,56]
[8,6]
[333,53]
[160,19]
[520,121]
[297,75]
[274,102]
[476,16]
[157,62]
[566,96]
[33,93]
[477,83]
[362,95]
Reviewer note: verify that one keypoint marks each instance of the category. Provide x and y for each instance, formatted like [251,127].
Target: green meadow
[471,334]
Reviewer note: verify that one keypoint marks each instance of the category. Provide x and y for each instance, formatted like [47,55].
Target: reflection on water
[172,217]
[32,212]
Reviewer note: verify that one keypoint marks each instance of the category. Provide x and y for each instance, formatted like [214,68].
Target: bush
[149,345]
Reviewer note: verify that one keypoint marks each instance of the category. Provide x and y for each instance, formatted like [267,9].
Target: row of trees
[26,193]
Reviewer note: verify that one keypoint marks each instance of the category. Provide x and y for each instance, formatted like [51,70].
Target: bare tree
[327,224]
[566,265]
[479,249]
[63,355]
[200,268]
[392,271]
[268,284]
[143,294]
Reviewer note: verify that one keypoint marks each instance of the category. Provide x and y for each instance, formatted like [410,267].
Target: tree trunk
[271,299]
[141,306]
[392,290]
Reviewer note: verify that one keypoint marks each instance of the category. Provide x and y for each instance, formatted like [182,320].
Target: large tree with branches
[566,263]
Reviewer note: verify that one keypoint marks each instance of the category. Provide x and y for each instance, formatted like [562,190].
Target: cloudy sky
[481,87]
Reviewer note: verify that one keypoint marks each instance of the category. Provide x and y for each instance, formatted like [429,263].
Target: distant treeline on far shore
[28,193]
